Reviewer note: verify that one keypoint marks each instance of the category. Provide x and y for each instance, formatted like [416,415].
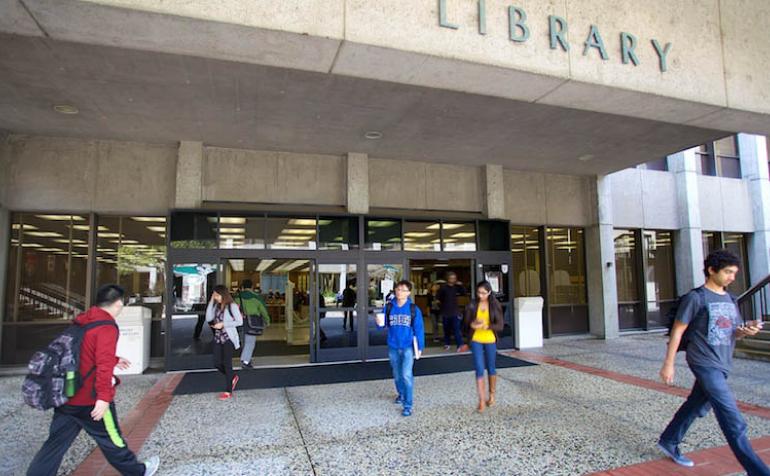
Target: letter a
[595,41]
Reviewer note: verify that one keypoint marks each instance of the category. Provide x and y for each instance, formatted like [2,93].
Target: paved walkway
[553,419]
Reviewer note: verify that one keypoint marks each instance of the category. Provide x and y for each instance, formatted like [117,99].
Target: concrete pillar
[754,168]
[358,184]
[494,207]
[189,175]
[600,264]
[5,231]
[688,240]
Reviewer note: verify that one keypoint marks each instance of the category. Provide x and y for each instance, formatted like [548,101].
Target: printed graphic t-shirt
[711,327]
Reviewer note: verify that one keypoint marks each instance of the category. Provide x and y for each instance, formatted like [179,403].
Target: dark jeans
[484,357]
[452,324]
[67,422]
[711,391]
[223,361]
[348,315]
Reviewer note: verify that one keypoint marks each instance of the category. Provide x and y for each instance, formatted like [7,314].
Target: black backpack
[412,311]
[54,372]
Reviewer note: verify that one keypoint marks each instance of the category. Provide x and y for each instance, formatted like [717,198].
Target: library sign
[519,32]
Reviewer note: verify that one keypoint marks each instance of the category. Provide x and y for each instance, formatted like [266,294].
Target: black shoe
[246,365]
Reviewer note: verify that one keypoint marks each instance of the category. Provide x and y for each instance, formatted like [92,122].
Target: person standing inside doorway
[224,318]
[406,340]
[484,319]
[348,300]
[434,307]
[251,305]
[93,408]
[450,311]
[709,315]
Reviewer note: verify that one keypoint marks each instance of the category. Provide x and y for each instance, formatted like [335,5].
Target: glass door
[381,278]
[337,326]
[498,273]
[190,341]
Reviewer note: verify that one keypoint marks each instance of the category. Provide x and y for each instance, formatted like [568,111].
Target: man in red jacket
[92,408]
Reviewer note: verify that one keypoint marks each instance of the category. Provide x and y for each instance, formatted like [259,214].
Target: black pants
[223,361]
[67,422]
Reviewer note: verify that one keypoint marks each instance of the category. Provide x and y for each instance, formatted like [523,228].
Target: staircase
[754,305]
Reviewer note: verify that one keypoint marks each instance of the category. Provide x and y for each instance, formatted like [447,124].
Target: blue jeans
[484,354]
[711,391]
[452,323]
[402,361]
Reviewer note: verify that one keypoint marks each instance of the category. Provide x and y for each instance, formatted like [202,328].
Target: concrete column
[688,240]
[600,264]
[5,231]
[358,184]
[754,168]
[494,207]
[189,175]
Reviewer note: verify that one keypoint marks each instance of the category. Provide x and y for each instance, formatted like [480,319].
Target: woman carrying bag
[484,319]
[224,317]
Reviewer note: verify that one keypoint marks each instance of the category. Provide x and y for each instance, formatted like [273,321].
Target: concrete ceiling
[146,96]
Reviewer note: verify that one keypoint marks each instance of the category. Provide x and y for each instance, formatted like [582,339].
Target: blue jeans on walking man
[402,362]
[452,323]
[711,391]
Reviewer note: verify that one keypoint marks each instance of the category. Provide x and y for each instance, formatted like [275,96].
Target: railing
[754,302]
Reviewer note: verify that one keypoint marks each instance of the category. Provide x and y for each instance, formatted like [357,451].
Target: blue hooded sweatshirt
[400,328]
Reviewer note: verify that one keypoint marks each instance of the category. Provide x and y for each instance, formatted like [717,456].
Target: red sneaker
[225,395]
[235,381]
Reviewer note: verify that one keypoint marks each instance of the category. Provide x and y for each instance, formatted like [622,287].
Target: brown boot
[492,390]
[481,390]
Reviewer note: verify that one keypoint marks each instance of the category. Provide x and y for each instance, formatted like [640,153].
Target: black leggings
[223,361]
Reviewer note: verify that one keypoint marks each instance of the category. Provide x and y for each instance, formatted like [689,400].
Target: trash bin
[528,322]
[134,340]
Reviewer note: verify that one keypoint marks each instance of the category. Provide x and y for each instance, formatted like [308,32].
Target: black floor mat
[203,382]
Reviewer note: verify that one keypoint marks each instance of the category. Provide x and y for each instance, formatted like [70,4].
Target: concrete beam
[357,200]
[754,168]
[600,264]
[494,206]
[189,175]
[688,240]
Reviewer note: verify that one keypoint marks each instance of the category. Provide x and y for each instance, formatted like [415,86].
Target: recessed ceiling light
[63,109]
[586,158]
[373,135]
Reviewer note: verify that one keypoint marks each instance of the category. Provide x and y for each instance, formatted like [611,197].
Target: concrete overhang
[153,76]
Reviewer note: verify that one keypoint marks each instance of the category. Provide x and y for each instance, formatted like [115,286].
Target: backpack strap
[90,326]
[413,312]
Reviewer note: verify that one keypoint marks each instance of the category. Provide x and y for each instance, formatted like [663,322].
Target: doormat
[205,382]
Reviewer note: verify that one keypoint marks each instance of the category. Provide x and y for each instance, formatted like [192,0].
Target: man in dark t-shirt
[450,311]
[712,321]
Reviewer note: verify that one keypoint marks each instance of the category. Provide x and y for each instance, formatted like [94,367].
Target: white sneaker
[151,466]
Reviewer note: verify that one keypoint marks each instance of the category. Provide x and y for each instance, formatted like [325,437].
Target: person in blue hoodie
[406,340]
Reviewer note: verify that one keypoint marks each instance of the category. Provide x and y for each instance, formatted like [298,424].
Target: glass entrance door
[498,274]
[381,279]
[338,326]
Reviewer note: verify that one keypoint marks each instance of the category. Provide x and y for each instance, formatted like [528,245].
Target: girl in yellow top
[484,318]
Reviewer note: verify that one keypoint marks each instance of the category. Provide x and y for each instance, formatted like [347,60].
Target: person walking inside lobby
[709,315]
[484,319]
[223,316]
[252,305]
[406,340]
[450,311]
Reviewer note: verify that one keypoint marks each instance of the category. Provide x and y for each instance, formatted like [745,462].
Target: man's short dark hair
[247,284]
[404,282]
[108,294]
[449,274]
[718,260]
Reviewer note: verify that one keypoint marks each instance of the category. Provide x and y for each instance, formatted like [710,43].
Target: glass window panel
[493,236]
[730,168]
[241,232]
[726,146]
[710,242]
[736,244]
[338,289]
[338,233]
[567,266]
[525,246]
[459,236]
[660,164]
[422,236]
[383,234]
[382,279]
[193,285]
[193,230]
[626,265]
[659,276]
[291,233]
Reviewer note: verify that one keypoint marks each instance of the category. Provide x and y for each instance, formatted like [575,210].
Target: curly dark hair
[718,260]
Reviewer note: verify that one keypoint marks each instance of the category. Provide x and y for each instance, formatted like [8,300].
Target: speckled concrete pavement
[549,421]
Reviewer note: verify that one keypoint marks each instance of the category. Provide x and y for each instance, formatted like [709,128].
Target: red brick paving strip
[718,461]
[136,426]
